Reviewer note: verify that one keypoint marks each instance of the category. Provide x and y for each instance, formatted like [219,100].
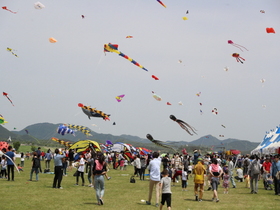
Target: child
[4,167]
[121,164]
[19,167]
[190,168]
[184,180]
[165,185]
[226,181]
[81,170]
[125,164]
[247,181]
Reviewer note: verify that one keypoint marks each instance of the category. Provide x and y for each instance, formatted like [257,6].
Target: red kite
[6,94]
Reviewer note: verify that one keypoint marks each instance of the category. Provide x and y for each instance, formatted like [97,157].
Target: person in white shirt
[81,170]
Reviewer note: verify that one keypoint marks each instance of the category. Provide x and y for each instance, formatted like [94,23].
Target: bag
[132,180]
[36,163]
[277,175]
[255,167]
[98,166]
[76,173]
[46,170]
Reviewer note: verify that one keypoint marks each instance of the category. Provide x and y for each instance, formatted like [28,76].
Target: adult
[81,170]
[87,158]
[216,172]
[143,161]
[273,170]
[137,166]
[231,170]
[266,171]
[71,159]
[99,170]
[196,154]
[39,153]
[48,157]
[58,169]
[254,171]
[35,166]
[199,171]
[10,163]
[154,168]
[246,163]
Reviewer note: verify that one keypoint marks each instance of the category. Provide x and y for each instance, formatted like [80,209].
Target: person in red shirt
[266,170]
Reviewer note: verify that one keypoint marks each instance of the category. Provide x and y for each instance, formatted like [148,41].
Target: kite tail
[241,46]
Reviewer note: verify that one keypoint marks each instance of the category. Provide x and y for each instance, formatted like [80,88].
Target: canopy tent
[269,144]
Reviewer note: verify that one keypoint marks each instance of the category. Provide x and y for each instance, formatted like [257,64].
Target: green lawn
[120,194]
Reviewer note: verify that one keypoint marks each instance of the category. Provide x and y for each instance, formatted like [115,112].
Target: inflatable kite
[183,125]
[3,145]
[11,51]
[65,143]
[119,98]
[238,58]
[159,143]
[92,112]
[270,30]
[157,97]
[52,40]
[83,145]
[6,94]
[154,77]
[129,37]
[161,3]
[2,120]
[236,45]
[83,129]
[39,5]
[114,48]
[63,129]
[8,9]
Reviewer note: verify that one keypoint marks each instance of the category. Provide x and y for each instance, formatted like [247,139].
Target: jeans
[82,176]
[276,185]
[36,170]
[48,164]
[99,186]
[232,179]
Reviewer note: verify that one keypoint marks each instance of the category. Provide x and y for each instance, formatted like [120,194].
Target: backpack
[132,180]
[246,162]
[98,166]
[255,167]
[36,163]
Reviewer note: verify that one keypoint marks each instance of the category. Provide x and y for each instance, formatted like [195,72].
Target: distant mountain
[45,131]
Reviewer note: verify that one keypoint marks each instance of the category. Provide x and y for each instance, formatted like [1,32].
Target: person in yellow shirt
[199,171]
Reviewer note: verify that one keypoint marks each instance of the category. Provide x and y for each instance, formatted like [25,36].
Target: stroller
[268,181]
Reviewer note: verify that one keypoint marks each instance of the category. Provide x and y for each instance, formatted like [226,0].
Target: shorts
[214,183]
[166,197]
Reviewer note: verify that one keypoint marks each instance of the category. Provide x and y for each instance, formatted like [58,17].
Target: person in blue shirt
[273,170]
[58,169]
[10,163]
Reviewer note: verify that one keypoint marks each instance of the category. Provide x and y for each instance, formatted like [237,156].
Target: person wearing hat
[199,171]
[273,170]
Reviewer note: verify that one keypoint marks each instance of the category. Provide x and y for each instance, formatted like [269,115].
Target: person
[121,164]
[99,170]
[246,163]
[254,171]
[216,172]
[239,173]
[20,168]
[199,171]
[266,171]
[231,169]
[165,185]
[143,162]
[164,161]
[10,163]
[71,158]
[226,181]
[125,164]
[137,164]
[22,159]
[154,168]
[81,170]
[4,167]
[58,169]
[184,180]
[273,170]
[87,158]
[196,155]
[39,155]
[35,166]
[48,157]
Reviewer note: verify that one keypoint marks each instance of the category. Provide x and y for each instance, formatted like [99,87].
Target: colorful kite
[154,77]
[161,3]
[39,5]
[198,94]
[168,103]
[11,51]
[8,9]
[65,143]
[119,98]
[83,129]
[157,97]
[238,58]
[63,129]
[183,125]
[262,11]
[159,143]
[237,45]
[184,18]
[129,37]
[52,40]
[2,120]
[114,48]
[6,94]
[92,112]
[215,111]
[270,30]
[83,145]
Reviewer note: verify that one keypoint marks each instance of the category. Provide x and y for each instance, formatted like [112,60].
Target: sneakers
[76,185]
[148,203]
[60,188]
[199,200]
[209,188]
[101,201]
[213,199]
[217,200]
[196,197]
[234,187]
[157,205]
[109,178]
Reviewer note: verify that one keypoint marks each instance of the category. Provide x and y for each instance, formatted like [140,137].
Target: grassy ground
[119,194]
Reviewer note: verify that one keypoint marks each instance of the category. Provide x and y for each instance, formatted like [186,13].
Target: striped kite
[92,112]
[63,129]
[114,48]
[6,94]
[83,129]
[161,3]
[83,145]
[65,143]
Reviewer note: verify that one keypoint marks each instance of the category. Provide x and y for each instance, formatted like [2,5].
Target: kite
[183,125]
[92,112]
[119,98]
[8,9]
[270,30]
[187,12]
[167,103]
[6,94]
[2,120]
[157,97]
[63,129]
[180,103]
[11,50]
[83,145]
[200,104]
[129,37]
[215,111]
[52,40]
[180,61]
[65,143]
[83,129]
[262,80]
[238,58]
[198,94]
[221,136]
[114,48]
[226,68]
[223,126]
[1,153]
[83,16]
[201,112]
[26,131]
[184,18]
[39,5]
[154,77]
[114,123]
[262,11]
[158,142]
[161,3]
[237,45]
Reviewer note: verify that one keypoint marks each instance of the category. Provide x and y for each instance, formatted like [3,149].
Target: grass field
[120,194]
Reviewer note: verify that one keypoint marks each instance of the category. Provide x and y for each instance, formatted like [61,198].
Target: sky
[47,80]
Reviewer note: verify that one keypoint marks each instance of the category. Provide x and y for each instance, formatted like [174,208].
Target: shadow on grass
[91,203]
[188,199]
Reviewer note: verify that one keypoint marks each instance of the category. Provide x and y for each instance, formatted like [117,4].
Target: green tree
[16,145]
[33,148]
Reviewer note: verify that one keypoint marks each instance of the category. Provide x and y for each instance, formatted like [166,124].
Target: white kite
[39,5]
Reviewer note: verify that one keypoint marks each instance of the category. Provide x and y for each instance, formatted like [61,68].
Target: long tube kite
[81,128]
[183,125]
[6,94]
[159,143]
[92,112]
[65,143]
[161,3]
[114,48]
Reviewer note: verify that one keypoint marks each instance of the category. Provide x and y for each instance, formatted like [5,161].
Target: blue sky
[47,80]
